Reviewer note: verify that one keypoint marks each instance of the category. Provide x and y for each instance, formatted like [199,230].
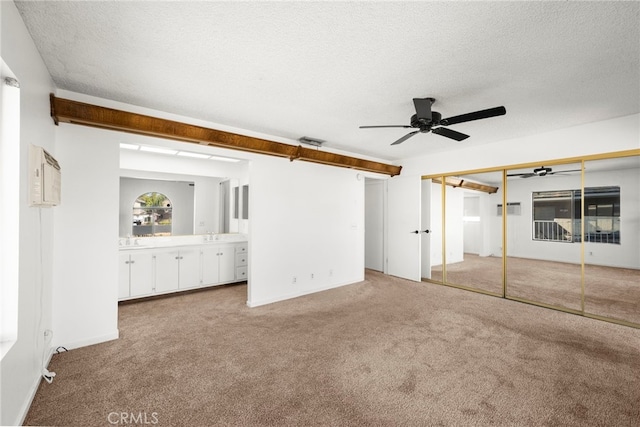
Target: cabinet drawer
[241,260]
[241,249]
[241,273]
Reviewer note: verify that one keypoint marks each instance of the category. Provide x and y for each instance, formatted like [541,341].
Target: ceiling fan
[426,120]
[541,171]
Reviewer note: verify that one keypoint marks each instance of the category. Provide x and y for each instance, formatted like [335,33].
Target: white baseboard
[284,297]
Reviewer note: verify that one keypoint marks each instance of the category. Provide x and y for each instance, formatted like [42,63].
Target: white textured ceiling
[293,69]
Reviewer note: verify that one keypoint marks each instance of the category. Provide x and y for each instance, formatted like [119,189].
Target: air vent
[311,141]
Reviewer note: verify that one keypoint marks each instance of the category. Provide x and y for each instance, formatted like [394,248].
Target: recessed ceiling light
[224,159]
[194,155]
[158,150]
[129,146]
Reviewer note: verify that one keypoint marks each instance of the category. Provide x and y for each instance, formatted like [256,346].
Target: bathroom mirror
[154,204]
[200,187]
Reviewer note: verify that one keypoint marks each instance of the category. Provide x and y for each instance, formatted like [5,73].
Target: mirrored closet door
[611,217]
[435,228]
[543,235]
[474,232]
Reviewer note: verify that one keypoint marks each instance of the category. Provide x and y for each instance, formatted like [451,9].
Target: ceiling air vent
[311,141]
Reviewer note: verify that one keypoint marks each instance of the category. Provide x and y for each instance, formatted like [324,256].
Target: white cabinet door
[141,273]
[404,237]
[166,270]
[123,276]
[189,268]
[210,265]
[226,264]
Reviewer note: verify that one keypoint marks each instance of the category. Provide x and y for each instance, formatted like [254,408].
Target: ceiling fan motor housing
[541,171]
[425,125]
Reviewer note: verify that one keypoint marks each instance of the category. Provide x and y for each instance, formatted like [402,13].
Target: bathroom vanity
[161,265]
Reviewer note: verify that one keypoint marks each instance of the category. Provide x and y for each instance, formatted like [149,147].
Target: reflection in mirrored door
[474,232]
[611,217]
[543,239]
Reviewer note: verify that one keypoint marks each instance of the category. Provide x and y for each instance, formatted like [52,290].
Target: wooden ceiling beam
[461,183]
[74,112]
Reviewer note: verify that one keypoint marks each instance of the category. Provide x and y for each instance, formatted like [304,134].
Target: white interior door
[426,228]
[403,225]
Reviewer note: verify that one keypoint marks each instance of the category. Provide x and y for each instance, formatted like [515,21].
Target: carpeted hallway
[382,352]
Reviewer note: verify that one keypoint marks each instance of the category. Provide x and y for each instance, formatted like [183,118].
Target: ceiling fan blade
[476,115]
[404,138]
[570,170]
[449,133]
[385,126]
[522,175]
[423,107]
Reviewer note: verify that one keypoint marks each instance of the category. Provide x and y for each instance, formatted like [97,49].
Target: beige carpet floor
[610,292]
[382,352]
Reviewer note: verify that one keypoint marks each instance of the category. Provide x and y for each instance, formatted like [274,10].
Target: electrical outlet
[311,276]
[294,279]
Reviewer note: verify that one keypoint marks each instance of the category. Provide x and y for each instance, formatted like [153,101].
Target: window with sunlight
[9,206]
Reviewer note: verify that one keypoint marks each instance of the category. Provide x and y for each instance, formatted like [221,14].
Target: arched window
[152,215]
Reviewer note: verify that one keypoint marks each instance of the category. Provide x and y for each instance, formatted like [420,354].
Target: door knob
[427,231]
[415,232]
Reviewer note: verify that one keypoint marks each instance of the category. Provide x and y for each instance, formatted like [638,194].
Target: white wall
[472,231]
[627,253]
[307,219]
[20,367]
[483,237]
[454,237]
[85,273]
[489,229]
